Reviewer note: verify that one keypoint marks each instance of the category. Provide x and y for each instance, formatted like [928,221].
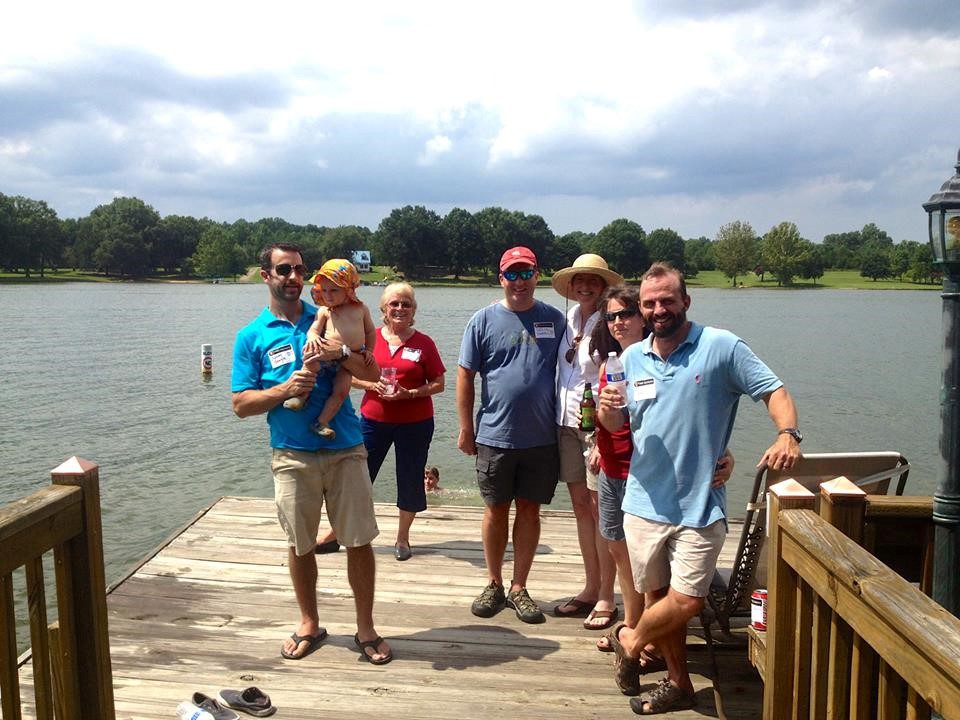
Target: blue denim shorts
[610,494]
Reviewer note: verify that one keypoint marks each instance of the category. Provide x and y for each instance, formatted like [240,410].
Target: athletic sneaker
[527,609]
[489,602]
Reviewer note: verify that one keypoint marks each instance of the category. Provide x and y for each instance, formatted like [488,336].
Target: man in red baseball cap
[513,345]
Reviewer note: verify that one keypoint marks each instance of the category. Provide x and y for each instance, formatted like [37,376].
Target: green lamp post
[943,210]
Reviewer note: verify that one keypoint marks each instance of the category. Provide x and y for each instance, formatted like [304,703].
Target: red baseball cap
[517,256]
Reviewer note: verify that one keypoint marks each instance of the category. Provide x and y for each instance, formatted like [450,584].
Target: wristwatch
[345,350]
[794,433]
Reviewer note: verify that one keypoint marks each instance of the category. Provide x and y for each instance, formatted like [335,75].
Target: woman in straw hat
[583,283]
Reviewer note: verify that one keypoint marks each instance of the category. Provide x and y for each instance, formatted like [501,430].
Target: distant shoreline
[831,280]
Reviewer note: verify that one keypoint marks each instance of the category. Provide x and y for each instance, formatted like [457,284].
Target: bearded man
[684,383]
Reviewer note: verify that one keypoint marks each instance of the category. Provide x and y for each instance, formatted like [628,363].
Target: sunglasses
[284,269]
[572,351]
[622,314]
[400,304]
[512,275]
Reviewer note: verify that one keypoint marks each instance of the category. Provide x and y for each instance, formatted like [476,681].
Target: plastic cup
[388,376]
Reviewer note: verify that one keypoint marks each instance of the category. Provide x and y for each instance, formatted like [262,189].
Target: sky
[686,114]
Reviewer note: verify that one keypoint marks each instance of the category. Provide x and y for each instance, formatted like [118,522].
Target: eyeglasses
[512,275]
[284,269]
[400,304]
[622,314]
[572,352]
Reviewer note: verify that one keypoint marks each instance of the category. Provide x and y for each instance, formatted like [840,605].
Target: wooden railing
[847,637]
[71,657]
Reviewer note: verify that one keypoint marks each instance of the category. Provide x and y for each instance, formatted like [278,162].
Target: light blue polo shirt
[681,432]
[266,353]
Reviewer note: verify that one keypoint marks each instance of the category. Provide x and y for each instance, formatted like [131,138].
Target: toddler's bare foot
[325,431]
[294,403]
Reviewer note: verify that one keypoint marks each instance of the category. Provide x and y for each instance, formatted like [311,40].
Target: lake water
[110,372]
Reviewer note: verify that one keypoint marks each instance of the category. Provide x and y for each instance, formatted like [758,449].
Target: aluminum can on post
[206,359]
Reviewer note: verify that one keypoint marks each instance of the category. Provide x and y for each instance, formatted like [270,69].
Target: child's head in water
[431,479]
[335,283]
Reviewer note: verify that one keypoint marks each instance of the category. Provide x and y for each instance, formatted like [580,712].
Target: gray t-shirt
[515,354]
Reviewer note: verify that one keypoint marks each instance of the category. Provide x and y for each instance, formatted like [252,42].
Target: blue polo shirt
[682,430]
[515,354]
[266,353]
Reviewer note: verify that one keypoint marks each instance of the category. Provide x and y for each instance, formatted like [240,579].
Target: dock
[210,609]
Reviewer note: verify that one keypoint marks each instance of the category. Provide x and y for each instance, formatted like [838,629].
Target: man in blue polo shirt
[684,383]
[309,470]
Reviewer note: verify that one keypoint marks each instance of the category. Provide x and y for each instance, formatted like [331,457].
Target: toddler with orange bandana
[343,317]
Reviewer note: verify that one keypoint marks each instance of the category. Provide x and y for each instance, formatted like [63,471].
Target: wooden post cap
[840,487]
[789,488]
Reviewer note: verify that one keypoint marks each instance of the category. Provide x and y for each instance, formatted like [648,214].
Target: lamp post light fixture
[943,210]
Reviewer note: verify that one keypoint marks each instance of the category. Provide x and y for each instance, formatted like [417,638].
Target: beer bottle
[588,410]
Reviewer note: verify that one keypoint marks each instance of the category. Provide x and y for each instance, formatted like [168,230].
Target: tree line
[127,238]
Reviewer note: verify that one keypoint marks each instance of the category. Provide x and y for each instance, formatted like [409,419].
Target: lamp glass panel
[951,227]
[936,238]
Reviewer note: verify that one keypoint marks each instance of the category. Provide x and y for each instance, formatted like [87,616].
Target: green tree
[622,243]
[666,245]
[341,241]
[567,248]
[842,249]
[501,230]
[782,249]
[901,257]
[875,261]
[411,238]
[698,255]
[217,254]
[736,249]
[464,243]
[813,261]
[921,264]
[174,240]
[31,237]
[123,230]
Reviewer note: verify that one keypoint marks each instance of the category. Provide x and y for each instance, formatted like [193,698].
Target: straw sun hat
[586,264]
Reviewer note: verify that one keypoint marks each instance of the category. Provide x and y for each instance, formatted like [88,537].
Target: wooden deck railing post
[780,687]
[88,596]
[850,670]
[9,674]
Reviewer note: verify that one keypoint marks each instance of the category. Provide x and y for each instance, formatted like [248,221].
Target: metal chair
[873,472]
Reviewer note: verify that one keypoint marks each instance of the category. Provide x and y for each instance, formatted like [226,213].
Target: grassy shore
[832,279]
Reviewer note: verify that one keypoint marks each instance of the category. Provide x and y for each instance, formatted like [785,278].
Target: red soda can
[758,609]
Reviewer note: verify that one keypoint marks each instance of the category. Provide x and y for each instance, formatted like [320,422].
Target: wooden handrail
[889,647]
[71,658]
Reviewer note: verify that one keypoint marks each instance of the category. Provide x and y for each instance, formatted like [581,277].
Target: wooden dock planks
[211,609]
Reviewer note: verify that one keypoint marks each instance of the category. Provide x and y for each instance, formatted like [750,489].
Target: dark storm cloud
[888,17]
[117,84]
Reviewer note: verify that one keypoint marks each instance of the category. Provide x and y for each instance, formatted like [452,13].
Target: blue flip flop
[313,642]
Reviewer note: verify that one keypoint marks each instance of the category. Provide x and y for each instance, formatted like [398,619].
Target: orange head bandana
[341,273]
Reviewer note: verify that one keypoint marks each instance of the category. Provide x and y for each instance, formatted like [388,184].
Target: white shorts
[685,558]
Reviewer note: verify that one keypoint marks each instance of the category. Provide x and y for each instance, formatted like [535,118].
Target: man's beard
[677,321]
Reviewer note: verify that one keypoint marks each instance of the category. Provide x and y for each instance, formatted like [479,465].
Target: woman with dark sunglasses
[584,283]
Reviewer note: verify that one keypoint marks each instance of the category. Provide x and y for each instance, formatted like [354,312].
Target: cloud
[674,115]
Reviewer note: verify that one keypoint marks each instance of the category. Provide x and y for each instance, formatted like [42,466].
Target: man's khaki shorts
[685,558]
[302,481]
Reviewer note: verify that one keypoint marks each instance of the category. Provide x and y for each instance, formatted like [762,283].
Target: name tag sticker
[411,354]
[645,389]
[282,355]
[543,330]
